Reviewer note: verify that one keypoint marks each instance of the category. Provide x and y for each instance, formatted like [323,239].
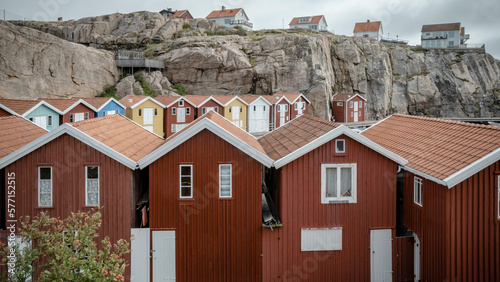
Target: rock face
[157,82]
[392,78]
[36,64]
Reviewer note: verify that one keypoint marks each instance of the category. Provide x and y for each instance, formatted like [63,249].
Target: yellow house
[145,111]
[234,109]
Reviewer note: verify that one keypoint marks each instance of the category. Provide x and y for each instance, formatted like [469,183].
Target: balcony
[241,22]
[434,37]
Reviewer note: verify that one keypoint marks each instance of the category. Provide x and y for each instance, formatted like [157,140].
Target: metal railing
[241,22]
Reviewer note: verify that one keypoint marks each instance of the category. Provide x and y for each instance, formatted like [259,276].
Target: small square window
[340,146]
[188,111]
[140,112]
[181,103]
[417,191]
[174,111]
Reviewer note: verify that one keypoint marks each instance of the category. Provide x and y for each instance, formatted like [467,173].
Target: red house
[348,107]
[205,187]
[72,111]
[79,166]
[451,194]
[204,104]
[179,112]
[299,104]
[280,110]
[335,194]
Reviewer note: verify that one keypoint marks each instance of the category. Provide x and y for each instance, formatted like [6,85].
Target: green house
[36,111]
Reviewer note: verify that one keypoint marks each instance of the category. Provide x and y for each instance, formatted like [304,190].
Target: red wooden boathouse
[348,107]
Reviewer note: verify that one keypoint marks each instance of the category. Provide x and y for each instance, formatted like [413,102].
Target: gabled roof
[249,99]
[199,100]
[292,97]
[224,13]
[113,135]
[440,27]
[367,26]
[345,97]
[306,133]
[271,98]
[314,20]
[132,101]
[225,100]
[66,105]
[221,127]
[100,102]
[17,132]
[181,13]
[24,107]
[443,151]
[168,101]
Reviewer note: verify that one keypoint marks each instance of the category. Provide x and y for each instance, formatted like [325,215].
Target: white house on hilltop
[369,29]
[317,23]
[449,35]
[231,18]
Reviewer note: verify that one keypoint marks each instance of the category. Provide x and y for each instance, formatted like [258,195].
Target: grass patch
[145,86]
[209,33]
[418,49]
[110,91]
[187,26]
[222,32]
[180,89]
[252,61]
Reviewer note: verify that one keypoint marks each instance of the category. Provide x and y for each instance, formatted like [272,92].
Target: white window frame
[203,110]
[86,116]
[230,181]
[417,191]
[188,111]
[351,104]
[360,104]
[49,120]
[337,147]
[98,186]
[71,117]
[352,114]
[339,200]
[180,181]
[51,187]
[174,111]
[181,103]
[340,104]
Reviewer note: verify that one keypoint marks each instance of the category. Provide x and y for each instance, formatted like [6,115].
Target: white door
[108,113]
[148,116]
[300,108]
[181,114]
[416,258]
[163,254]
[139,257]
[355,111]
[381,255]
[282,114]
[41,121]
[79,117]
[236,113]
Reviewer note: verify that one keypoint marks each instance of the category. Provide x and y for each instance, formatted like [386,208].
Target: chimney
[367,21]
[223,8]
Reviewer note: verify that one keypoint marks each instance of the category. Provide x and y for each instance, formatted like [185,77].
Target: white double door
[40,121]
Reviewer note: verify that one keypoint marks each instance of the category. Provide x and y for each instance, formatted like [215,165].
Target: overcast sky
[403,18]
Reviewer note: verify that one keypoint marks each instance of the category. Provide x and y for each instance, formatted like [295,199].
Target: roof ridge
[91,120]
[462,123]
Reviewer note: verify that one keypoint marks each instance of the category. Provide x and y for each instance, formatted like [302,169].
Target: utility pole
[283,23]
[4,14]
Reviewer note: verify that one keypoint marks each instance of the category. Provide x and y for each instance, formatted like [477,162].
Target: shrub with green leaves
[66,250]
[109,92]
[186,26]
[145,86]
[180,89]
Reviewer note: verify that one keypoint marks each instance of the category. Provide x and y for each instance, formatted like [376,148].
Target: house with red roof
[369,29]
[317,23]
[205,203]
[145,111]
[299,104]
[204,104]
[258,113]
[335,194]
[39,112]
[230,18]
[348,107]
[178,113]
[77,167]
[180,14]
[71,110]
[450,191]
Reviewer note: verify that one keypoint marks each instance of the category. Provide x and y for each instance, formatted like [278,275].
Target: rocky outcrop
[159,84]
[36,64]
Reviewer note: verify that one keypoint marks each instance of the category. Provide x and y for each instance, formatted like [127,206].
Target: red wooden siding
[404,267]
[80,108]
[458,228]
[299,205]
[4,113]
[210,103]
[169,118]
[68,158]
[216,239]
[294,113]
[339,111]
[277,113]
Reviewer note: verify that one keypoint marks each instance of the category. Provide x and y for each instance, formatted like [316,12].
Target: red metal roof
[314,19]
[295,134]
[121,134]
[223,13]
[441,27]
[17,132]
[436,147]
[367,26]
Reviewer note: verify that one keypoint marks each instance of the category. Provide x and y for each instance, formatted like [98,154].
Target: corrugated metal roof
[436,147]
[17,132]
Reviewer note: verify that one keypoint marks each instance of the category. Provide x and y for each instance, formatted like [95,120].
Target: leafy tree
[66,250]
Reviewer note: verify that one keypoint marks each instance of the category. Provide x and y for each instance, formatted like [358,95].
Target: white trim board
[109,101]
[327,137]
[144,100]
[7,109]
[75,133]
[208,124]
[42,102]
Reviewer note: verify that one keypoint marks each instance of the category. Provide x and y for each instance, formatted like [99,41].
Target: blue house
[39,112]
[105,106]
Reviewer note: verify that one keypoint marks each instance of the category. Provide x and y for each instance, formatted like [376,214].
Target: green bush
[110,91]
[145,86]
[186,26]
[180,89]
[252,61]
[240,31]
[222,32]
[209,32]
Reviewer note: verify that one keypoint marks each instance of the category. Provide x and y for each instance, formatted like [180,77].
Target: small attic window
[340,104]
[340,146]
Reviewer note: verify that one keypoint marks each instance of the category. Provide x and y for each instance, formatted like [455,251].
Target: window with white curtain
[338,183]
